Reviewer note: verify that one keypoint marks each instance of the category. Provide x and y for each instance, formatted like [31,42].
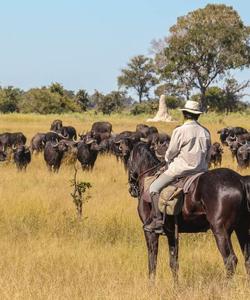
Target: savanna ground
[47,253]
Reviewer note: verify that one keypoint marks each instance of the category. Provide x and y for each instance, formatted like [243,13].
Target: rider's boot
[157,223]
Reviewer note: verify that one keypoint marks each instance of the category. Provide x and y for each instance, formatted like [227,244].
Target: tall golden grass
[47,253]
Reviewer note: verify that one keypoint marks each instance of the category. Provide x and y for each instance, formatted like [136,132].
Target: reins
[151,169]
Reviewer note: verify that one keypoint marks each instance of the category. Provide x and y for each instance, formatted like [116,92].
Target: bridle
[151,169]
[134,180]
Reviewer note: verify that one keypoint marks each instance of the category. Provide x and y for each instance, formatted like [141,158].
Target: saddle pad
[148,181]
[189,180]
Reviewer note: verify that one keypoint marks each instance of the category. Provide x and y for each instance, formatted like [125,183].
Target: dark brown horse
[219,200]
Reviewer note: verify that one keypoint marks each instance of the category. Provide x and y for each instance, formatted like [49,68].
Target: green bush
[145,107]
[9,99]
[112,102]
[173,102]
[43,101]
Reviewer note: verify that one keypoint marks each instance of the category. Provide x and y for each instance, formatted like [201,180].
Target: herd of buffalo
[62,140]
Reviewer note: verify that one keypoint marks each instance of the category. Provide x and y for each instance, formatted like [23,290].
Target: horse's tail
[247,190]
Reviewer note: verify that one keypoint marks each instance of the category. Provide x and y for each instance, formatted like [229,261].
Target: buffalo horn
[55,145]
[90,141]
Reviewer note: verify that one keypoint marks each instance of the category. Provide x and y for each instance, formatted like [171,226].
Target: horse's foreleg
[152,245]
[224,244]
[144,211]
[243,235]
[173,243]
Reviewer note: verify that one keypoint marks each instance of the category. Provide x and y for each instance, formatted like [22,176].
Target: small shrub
[80,188]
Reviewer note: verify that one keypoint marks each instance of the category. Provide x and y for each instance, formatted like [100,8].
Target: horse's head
[142,162]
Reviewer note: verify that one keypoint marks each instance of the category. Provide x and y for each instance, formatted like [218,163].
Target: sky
[85,43]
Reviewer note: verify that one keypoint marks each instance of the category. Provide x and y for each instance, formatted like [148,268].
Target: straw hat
[192,107]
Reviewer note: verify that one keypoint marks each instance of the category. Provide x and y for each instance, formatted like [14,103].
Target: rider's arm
[174,146]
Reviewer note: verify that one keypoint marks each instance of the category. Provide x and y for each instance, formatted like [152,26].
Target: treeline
[195,61]
[56,99]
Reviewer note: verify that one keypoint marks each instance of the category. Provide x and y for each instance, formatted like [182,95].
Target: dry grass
[46,253]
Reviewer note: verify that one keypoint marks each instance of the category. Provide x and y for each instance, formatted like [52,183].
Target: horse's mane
[142,158]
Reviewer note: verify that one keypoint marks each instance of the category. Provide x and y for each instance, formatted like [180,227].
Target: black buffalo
[87,151]
[101,129]
[116,140]
[123,144]
[3,155]
[235,142]
[8,139]
[53,154]
[22,157]
[158,142]
[243,156]
[70,156]
[56,125]
[230,131]
[68,132]
[53,137]
[37,142]
[105,145]
[215,155]
[146,130]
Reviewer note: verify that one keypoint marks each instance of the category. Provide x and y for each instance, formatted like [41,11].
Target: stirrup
[147,228]
[153,227]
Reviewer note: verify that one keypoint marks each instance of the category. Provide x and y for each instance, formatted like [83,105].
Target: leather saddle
[172,197]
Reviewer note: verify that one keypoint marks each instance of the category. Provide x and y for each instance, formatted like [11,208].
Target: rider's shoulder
[204,128]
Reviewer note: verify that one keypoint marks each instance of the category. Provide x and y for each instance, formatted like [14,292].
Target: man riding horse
[188,154]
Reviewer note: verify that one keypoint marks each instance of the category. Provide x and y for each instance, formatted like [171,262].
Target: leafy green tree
[57,88]
[202,47]
[139,75]
[226,99]
[82,99]
[112,102]
[145,107]
[174,102]
[215,99]
[43,101]
[233,94]
[9,99]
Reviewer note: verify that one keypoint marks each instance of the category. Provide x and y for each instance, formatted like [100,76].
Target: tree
[56,87]
[112,102]
[95,98]
[226,99]
[43,101]
[233,95]
[203,46]
[9,99]
[82,99]
[145,107]
[139,75]
[215,99]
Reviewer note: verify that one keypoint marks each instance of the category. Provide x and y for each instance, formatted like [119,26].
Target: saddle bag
[171,197]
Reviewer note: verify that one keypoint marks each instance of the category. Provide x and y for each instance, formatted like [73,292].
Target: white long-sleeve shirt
[189,150]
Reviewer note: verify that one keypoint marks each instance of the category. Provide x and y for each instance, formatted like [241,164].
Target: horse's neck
[148,170]
[142,163]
